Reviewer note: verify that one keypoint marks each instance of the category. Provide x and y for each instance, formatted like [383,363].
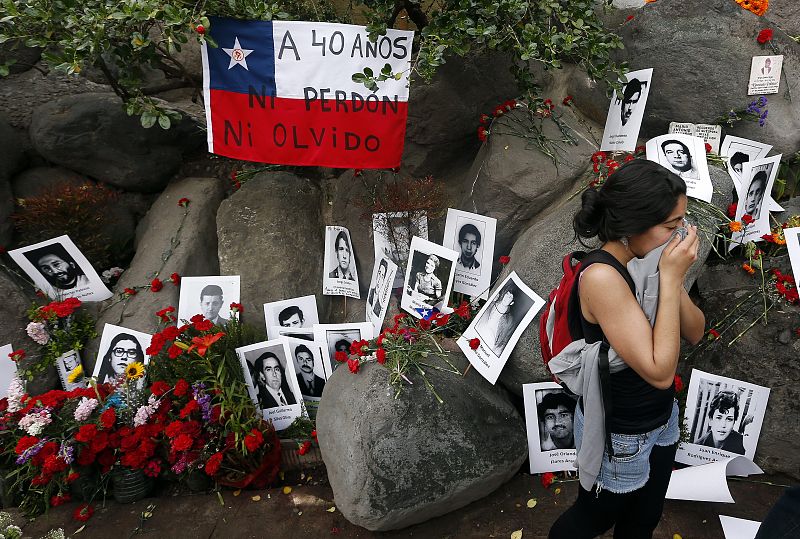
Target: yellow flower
[76,374]
[134,371]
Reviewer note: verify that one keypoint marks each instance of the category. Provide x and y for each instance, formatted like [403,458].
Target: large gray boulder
[395,462]
[271,233]
[513,180]
[773,347]
[786,15]
[696,47]
[537,255]
[11,159]
[443,114]
[191,253]
[91,134]
[38,180]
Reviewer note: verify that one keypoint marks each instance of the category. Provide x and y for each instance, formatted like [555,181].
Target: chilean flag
[282,92]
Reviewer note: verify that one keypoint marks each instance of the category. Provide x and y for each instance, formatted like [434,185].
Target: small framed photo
[59,269]
[626,111]
[472,237]
[429,277]
[8,369]
[757,179]
[380,288]
[765,75]
[338,337]
[549,415]
[67,364]
[340,277]
[391,235]
[119,347]
[499,325]
[271,381]
[296,313]
[723,417]
[684,155]
[210,296]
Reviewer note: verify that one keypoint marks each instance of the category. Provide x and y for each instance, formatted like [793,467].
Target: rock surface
[23,58]
[194,254]
[91,134]
[536,257]
[512,180]
[11,159]
[271,234]
[35,181]
[695,48]
[396,462]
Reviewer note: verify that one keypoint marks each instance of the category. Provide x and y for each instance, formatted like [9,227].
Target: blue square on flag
[245,56]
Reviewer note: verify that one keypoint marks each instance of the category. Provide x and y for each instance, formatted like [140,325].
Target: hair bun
[588,219]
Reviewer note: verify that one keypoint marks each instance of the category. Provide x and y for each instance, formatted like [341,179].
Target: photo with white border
[59,269]
[626,111]
[737,151]
[311,367]
[275,332]
[210,296]
[292,313]
[499,325]
[334,337]
[765,75]
[340,276]
[792,237]
[723,418]
[66,364]
[472,237]
[380,288]
[758,178]
[265,365]
[119,347]
[8,369]
[391,237]
[684,155]
[549,415]
[430,270]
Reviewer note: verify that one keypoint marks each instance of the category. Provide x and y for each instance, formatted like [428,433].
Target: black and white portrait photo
[737,151]
[499,325]
[626,112]
[60,270]
[757,179]
[340,276]
[724,417]
[472,236]
[380,288]
[296,313]
[338,338]
[429,277]
[8,369]
[210,296]
[765,75]
[272,381]
[119,347]
[310,368]
[792,236]
[391,237]
[549,416]
[67,364]
[684,155]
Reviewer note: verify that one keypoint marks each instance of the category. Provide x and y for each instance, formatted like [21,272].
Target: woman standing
[635,211]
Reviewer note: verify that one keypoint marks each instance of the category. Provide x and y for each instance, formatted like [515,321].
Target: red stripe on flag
[329,133]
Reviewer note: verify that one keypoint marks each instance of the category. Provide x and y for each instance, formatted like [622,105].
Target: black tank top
[636,406]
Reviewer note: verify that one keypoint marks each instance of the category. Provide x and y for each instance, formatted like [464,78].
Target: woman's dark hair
[639,195]
[106,370]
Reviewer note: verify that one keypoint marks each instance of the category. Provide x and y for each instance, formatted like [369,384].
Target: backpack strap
[574,317]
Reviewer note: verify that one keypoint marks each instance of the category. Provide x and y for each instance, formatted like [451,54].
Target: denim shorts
[629,468]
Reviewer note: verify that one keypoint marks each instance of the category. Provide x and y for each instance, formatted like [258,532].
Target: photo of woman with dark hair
[123,350]
[502,316]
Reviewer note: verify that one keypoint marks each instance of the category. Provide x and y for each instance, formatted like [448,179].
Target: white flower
[16,390]
[85,409]
[38,332]
[35,422]
[143,414]
[111,273]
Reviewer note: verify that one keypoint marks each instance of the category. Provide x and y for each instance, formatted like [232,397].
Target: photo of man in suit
[273,389]
[343,257]
[373,299]
[211,302]
[311,385]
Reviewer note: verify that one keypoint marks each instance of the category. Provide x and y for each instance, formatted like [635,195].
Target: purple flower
[762,101]
[31,451]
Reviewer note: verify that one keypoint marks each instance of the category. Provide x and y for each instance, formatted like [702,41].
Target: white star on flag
[238,54]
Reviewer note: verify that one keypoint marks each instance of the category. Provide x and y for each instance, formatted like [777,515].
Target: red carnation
[61,499]
[547,479]
[629,18]
[173,429]
[713,334]
[152,469]
[213,464]
[253,440]
[747,218]
[678,384]
[181,387]
[24,443]
[504,259]
[353,365]
[184,202]
[380,354]
[463,310]
[708,147]
[425,324]
[200,29]
[17,355]
[83,512]
[567,101]
[202,324]
[182,442]
[174,351]
[340,356]
[156,285]
[190,407]
[86,433]
[474,343]
[764,36]
[128,292]
[165,314]
[159,388]
[175,278]
[732,210]
[483,133]
[305,448]
[73,477]
[237,308]
[108,418]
